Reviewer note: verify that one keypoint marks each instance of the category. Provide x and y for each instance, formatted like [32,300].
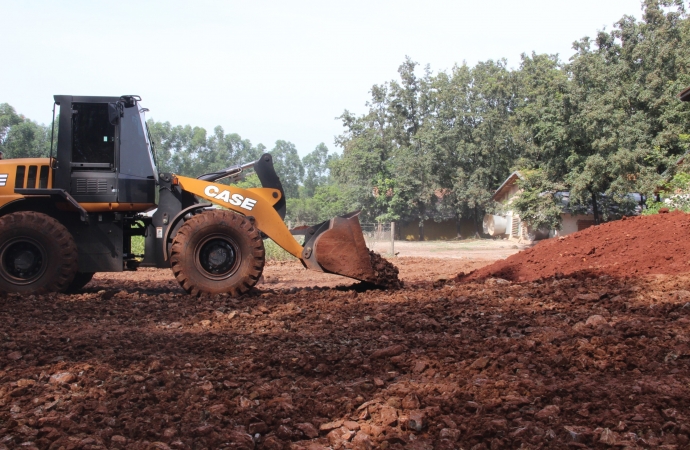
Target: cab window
[93,136]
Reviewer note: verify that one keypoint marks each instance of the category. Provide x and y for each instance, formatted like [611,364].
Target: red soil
[133,362]
[634,246]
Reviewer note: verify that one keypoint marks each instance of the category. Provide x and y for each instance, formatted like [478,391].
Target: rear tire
[80,280]
[218,252]
[37,254]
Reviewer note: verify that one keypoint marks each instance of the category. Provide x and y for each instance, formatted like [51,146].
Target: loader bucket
[338,247]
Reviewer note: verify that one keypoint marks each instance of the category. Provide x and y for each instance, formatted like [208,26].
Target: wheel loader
[66,217]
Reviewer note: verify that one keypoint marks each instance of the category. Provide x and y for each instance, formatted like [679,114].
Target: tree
[540,119]
[625,121]
[364,169]
[414,160]
[472,115]
[224,150]
[673,195]
[179,149]
[537,203]
[188,150]
[388,163]
[288,167]
[436,146]
[8,119]
[316,168]
[21,137]
[432,147]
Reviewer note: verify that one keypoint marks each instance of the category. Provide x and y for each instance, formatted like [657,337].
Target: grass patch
[275,253]
[138,245]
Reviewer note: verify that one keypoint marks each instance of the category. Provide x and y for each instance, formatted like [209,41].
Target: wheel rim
[22,261]
[217,257]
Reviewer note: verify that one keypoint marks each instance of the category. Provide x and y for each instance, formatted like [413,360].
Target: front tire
[217,252]
[37,254]
[80,280]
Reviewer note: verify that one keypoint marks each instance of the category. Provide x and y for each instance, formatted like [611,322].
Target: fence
[377,235]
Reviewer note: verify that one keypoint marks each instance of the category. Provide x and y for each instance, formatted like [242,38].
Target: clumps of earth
[631,247]
[386,274]
[585,358]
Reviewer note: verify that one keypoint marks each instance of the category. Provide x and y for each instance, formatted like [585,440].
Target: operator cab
[104,151]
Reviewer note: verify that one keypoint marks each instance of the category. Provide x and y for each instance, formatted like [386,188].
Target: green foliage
[138,245]
[675,195]
[680,183]
[251,181]
[366,157]
[540,119]
[537,204]
[21,137]
[316,168]
[624,118]
[189,151]
[328,201]
[275,253]
[603,125]
[431,147]
[288,167]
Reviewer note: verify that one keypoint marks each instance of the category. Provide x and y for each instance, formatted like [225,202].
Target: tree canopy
[602,125]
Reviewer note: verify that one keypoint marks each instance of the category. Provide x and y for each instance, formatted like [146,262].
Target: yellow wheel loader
[66,217]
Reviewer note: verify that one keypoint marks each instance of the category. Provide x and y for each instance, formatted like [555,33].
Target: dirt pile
[635,246]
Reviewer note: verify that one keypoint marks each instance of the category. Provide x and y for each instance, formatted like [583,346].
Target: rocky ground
[568,361]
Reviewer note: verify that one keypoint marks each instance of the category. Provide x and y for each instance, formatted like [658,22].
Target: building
[510,226]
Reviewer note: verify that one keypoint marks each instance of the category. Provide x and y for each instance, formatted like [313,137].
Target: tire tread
[67,261]
[242,282]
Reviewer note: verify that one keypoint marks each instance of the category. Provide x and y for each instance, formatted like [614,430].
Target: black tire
[37,254]
[80,280]
[218,252]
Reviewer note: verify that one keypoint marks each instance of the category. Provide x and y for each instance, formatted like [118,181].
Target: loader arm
[335,246]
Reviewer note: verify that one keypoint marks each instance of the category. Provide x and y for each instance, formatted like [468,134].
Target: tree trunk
[595,207]
[422,211]
[476,224]
[458,227]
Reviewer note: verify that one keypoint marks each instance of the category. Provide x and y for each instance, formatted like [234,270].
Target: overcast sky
[267,70]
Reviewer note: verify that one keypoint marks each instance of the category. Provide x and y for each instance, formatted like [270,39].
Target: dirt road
[468,249]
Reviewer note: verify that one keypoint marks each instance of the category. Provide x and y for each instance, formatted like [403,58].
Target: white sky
[266,70]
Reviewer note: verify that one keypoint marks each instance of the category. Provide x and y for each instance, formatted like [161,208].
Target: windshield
[149,141]
[136,154]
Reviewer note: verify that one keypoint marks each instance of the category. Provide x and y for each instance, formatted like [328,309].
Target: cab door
[93,166]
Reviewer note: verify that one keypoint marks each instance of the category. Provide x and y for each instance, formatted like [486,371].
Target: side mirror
[114,113]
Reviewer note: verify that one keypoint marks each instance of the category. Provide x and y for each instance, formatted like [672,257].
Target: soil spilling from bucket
[385,272]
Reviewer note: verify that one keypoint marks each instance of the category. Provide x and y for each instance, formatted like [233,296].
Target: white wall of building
[569,223]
